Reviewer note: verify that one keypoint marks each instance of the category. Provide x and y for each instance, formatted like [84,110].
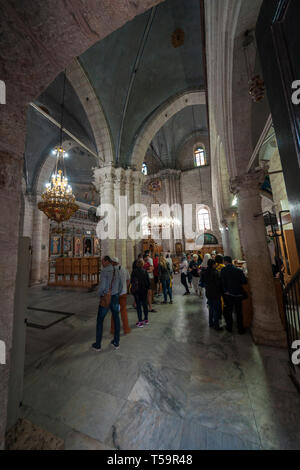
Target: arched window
[199,155]
[145,169]
[203,218]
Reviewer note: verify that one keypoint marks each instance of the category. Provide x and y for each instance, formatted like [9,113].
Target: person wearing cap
[110,282]
[123,297]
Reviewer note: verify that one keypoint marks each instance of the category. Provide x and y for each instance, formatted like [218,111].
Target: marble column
[104,180]
[36,243]
[266,327]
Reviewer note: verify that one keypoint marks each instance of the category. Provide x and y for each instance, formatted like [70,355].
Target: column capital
[105,174]
[248,183]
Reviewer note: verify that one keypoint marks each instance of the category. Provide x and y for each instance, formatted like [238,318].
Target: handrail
[296,277]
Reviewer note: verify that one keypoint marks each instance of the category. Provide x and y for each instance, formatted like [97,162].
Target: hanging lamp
[58,201]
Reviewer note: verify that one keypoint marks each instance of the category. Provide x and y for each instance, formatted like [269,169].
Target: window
[145,169]
[203,217]
[199,156]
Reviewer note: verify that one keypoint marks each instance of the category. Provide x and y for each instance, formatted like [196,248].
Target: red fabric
[155,265]
[147,266]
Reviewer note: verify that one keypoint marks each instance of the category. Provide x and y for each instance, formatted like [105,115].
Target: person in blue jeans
[110,280]
[165,278]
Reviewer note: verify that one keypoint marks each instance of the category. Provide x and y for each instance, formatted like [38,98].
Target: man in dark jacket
[140,285]
[213,291]
[233,280]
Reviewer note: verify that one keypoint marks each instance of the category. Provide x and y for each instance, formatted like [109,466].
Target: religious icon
[87,247]
[96,247]
[55,246]
[78,246]
[67,245]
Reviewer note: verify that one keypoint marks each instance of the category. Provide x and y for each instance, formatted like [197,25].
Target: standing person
[140,256]
[219,263]
[184,270]
[200,257]
[194,267]
[233,280]
[140,285]
[213,290]
[165,277]
[148,266]
[204,265]
[170,263]
[110,289]
[155,274]
[189,271]
[123,297]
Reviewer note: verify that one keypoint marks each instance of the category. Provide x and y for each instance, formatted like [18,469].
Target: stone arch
[159,118]
[94,111]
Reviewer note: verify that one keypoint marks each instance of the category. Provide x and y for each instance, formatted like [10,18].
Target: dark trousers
[166,285]
[215,309]
[102,311]
[141,301]
[183,281]
[233,303]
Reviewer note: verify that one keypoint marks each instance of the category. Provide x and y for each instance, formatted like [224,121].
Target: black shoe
[164,302]
[116,346]
[186,293]
[153,311]
[95,347]
[171,301]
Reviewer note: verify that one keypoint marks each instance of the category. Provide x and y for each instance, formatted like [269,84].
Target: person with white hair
[204,265]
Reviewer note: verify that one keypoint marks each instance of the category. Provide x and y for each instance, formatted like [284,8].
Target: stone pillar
[104,180]
[129,193]
[118,191]
[36,243]
[10,201]
[232,234]
[138,179]
[266,326]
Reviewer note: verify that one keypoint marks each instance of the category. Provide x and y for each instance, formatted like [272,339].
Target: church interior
[186,108]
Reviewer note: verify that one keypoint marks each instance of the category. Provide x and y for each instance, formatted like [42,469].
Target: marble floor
[175,384]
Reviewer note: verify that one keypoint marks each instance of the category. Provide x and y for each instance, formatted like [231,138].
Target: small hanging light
[255,82]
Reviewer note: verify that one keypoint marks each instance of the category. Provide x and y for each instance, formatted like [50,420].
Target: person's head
[140,256]
[188,256]
[147,253]
[219,259]
[115,261]
[106,261]
[211,264]
[162,260]
[145,257]
[195,257]
[140,263]
[227,260]
[206,258]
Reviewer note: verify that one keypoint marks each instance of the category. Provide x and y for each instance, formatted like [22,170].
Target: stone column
[104,180]
[10,201]
[119,190]
[231,227]
[266,326]
[128,174]
[36,243]
[138,179]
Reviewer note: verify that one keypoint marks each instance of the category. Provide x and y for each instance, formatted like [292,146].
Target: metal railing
[292,314]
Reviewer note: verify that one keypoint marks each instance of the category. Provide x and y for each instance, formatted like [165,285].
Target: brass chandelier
[58,201]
